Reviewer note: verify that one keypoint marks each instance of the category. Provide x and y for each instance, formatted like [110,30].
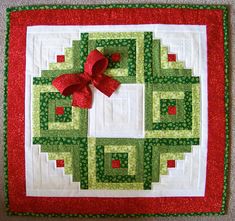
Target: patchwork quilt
[116,110]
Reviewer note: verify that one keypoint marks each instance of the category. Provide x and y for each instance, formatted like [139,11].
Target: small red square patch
[59,163]
[59,110]
[170,163]
[60,58]
[171,57]
[172,110]
[116,57]
[116,164]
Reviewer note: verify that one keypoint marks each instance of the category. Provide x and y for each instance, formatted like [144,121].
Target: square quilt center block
[121,115]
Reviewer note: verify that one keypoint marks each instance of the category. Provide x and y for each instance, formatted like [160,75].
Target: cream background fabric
[188,42]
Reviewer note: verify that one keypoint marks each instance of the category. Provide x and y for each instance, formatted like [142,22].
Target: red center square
[60,58]
[59,110]
[171,57]
[116,57]
[170,163]
[116,164]
[172,110]
[59,163]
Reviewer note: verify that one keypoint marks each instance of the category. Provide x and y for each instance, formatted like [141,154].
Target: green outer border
[5,112]
[227,103]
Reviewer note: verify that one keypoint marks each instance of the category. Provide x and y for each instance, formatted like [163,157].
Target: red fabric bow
[77,85]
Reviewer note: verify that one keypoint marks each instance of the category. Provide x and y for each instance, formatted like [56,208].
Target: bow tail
[106,85]
[82,98]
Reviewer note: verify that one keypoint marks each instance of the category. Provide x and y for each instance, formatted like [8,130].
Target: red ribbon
[77,85]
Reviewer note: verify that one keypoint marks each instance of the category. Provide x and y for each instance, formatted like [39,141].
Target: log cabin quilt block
[116,110]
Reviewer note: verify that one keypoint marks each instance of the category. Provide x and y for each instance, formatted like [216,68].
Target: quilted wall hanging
[116,110]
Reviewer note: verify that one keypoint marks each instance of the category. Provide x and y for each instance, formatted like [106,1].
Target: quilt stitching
[61,140]
[143,59]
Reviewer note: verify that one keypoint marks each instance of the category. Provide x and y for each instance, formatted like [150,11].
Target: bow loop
[77,85]
[96,63]
[66,82]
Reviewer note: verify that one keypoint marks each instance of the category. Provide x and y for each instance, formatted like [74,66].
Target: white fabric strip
[189,42]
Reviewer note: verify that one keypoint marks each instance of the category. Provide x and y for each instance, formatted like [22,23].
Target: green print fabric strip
[172,114]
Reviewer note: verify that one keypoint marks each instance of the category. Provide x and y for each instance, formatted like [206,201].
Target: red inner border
[19,202]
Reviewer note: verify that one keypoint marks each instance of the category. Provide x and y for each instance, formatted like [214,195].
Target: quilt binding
[227,105]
